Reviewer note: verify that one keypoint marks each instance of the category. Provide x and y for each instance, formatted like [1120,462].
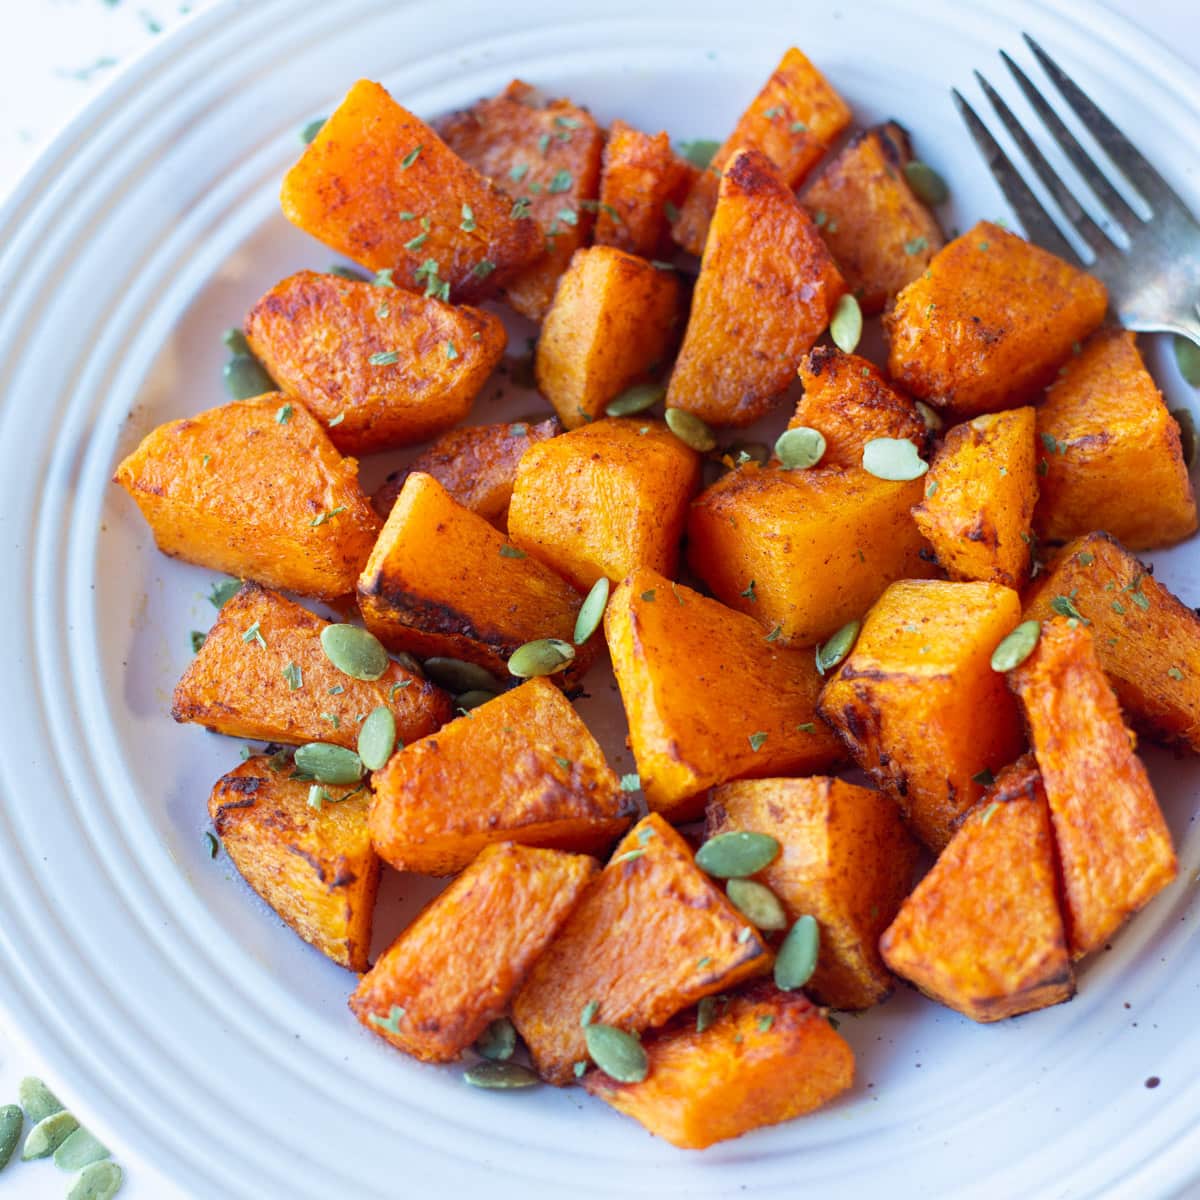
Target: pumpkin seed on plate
[845,327]
[311,130]
[235,342]
[498,1041]
[800,448]
[351,273]
[926,184]
[617,1053]
[327,763]
[735,855]
[48,1134]
[635,400]
[797,957]
[245,377]
[1187,434]
[1187,358]
[12,1120]
[838,647]
[895,459]
[100,1181]
[757,903]
[79,1150]
[377,738]
[500,1075]
[690,430]
[355,652]
[1017,647]
[38,1101]
[546,656]
[591,612]
[457,676]
[931,417]
[473,699]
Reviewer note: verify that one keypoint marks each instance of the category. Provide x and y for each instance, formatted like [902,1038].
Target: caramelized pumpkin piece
[314,866]
[794,119]
[1113,844]
[457,966]
[983,933]
[255,489]
[378,367]
[605,500]
[767,1057]
[708,696]
[263,674]
[442,581]
[378,185]
[918,704]
[845,858]
[1145,638]
[990,321]
[613,322]
[803,552]
[766,290]
[651,936]
[546,156]
[1109,454]
[979,496]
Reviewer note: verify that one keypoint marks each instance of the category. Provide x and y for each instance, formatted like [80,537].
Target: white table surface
[54,56]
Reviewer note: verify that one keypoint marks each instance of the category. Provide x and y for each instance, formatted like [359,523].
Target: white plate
[177,1011]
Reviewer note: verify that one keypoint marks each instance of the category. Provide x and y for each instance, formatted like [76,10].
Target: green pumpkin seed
[895,459]
[690,430]
[377,738]
[311,130]
[797,957]
[543,657]
[838,647]
[699,152]
[473,698]
[1187,434]
[1017,647]
[350,273]
[79,1150]
[800,448]
[846,325]
[327,763]
[500,1075]
[245,377]
[38,1101]
[757,903]
[744,452]
[457,676]
[498,1041]
[100,1181]
[48,1134]
[706,1013]
[1187,358]
[235,342]
[931,417]
[617,1053]
[591,612]
[12,1120]
[735,855]
[355,652]
[636,399]
[927,185]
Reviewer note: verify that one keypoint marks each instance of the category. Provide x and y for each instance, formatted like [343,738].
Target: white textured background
[54,55]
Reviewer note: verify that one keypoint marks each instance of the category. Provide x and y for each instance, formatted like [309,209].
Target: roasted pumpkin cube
[990,321]
[651,936]
[255,489]
[457,966]
[613,322]
[378,367]
[1109,454]
[708,696]
[546,156]
[979,496]
[314,866]
[767,1057]
[1146,639]
[378,185]
[263,674]
[918,704]
[845,859]
[476,465]
[642,180]
[803,552]
[442,581]
[880,235]
[983,933]
[1114,848]
[794,119]
[520,768]
[848,400]
[605,500]
[766,290]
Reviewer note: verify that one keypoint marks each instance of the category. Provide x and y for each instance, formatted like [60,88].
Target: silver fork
[1153,272]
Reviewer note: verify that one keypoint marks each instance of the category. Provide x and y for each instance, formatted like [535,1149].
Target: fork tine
[1153,187]
[1037,222]
[1116,204]
[1076,215]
